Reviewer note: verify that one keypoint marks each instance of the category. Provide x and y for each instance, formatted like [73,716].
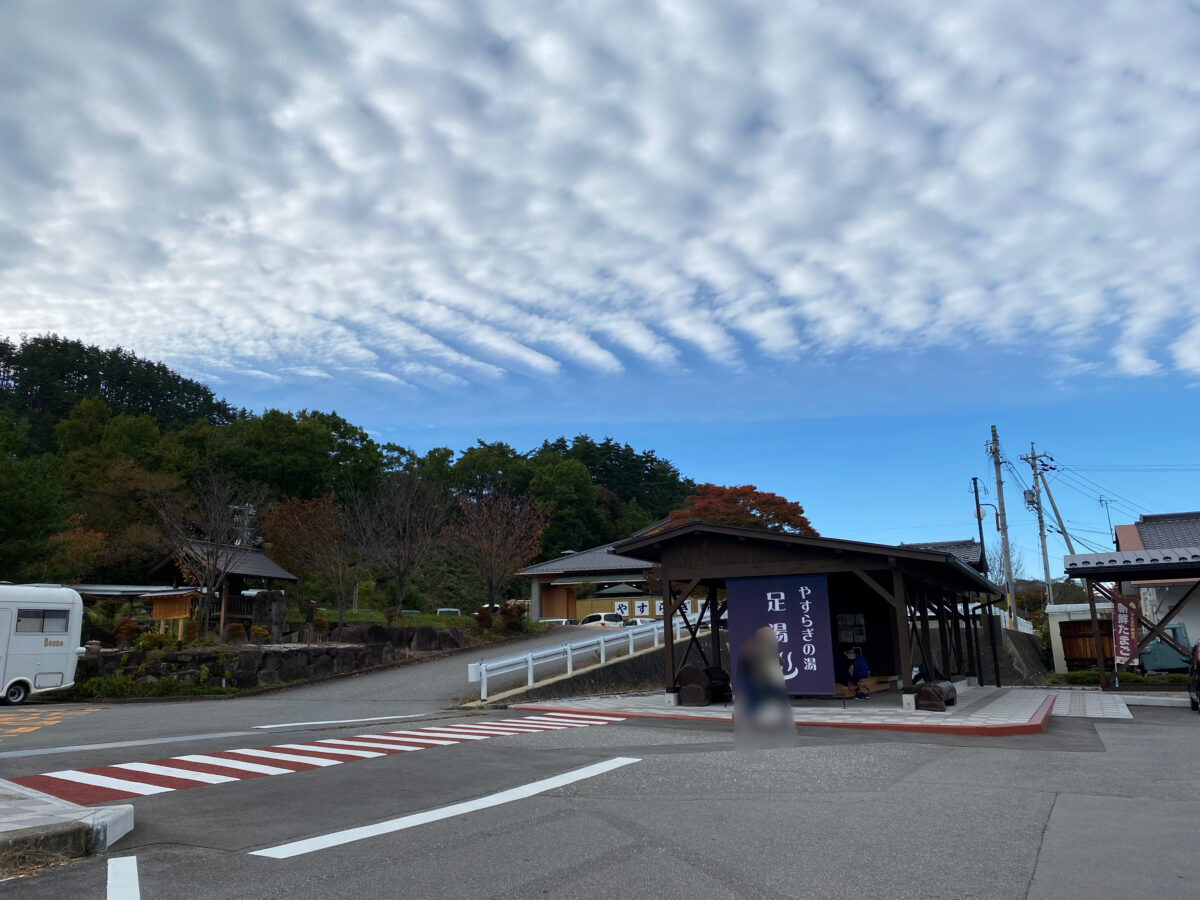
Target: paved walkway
[980,710]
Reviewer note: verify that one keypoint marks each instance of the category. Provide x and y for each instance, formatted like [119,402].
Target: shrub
[320,623]
[207,641]
[259,634]
[512,616]
[483,616]
[235,632]
[126,631]
[152,640]
[191,628]
[389,615]
[204,675]
[1082,676]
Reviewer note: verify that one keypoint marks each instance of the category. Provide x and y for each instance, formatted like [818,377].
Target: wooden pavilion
[894,591]
[1110,575]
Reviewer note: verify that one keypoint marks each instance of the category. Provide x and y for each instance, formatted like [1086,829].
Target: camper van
[39,639]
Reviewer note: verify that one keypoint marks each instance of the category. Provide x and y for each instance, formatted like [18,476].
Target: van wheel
[16,694]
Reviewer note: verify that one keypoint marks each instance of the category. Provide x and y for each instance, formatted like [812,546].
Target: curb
[1036,724]
[80,831]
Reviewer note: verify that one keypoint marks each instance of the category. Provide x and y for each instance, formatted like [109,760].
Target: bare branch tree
[496,535]
[315,537]
[210,534]
[399,528]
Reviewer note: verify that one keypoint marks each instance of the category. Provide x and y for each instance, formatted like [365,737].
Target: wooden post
[221,627]
[180,637]
[668,637]
[902,635]
[927,641]
[943,635]
[715,625]
[1099,641]
[956,639]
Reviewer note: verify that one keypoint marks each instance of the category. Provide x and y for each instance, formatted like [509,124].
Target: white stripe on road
[337,838]
[123,879]
[377,744]
[288,757]
[536,726]
[235,764]
[542,720]
[582,717]
[500,729]
[342,721]
[335,751]
[116,784]
[417,736]
[450,733]
[425,745]
[171,771]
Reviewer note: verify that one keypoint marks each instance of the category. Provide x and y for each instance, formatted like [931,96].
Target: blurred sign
[641,608]
[796,608]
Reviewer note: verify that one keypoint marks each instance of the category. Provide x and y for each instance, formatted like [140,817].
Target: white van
[39,639]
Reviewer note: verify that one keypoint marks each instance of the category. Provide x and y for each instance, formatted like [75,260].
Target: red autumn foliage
[744,506]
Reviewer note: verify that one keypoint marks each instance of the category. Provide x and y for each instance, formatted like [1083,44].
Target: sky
[817,247]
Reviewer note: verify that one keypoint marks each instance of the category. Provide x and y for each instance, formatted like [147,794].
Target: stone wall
[250,666]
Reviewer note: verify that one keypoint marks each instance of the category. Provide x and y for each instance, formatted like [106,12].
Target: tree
[32,508]
[400,526]
[211,534]
[566,493]
[496,535]
[744,506]
[313,539]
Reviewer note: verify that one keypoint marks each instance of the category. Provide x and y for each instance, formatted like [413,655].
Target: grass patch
[120,687]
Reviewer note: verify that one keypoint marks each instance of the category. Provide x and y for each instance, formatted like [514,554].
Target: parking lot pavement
[670,808]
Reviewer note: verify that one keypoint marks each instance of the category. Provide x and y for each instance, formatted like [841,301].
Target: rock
[322,666]
[271,663]
[108,667]
[246,679]
[146,679]
[400,636]
[268,678]
[343,661]
[377,634]
[293,665]
[426,638]
[188,676]
[249,660]
[446,641]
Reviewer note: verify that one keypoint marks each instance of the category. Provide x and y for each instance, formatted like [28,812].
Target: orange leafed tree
[744,506]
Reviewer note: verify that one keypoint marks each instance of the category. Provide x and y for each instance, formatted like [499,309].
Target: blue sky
[818,247]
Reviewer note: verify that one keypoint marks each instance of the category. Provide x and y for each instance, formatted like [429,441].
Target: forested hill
[88,435]
[43,378]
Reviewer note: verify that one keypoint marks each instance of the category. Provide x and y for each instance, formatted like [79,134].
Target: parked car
[603,620]
[558,621]
[449,611]
[639,620]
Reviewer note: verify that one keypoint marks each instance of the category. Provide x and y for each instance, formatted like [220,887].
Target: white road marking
[185,774]
[580,717]
[378,744]
[537,726]
[342,721]
[104,781]
[497,729]
[234,764]
[288,757]
[338,838]
[417,736]
[123,879]
[335,751]
[451,733]
[562,723]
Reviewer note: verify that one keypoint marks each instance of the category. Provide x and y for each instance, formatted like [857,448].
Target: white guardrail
[608,638]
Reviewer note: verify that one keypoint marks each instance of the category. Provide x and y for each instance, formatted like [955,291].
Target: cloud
[459,192]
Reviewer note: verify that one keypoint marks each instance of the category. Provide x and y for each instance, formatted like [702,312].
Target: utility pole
[979,520]
[1033,459]
[1002,521]
[1054,506]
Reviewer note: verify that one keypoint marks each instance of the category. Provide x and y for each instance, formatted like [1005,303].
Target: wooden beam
[902,635]
[1158,629]
[869,581]
[677,598]
[1097,639]
[715,625]
[668,636]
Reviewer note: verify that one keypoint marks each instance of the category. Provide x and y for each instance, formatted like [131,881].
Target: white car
[603,620]
[639,620]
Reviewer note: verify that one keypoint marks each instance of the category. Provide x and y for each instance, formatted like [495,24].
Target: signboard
[690,606]
[621,607]
[1124,633]
[641,607]
[796,608]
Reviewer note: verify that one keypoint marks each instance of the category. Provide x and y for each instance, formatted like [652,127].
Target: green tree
[32,508]
[565,491]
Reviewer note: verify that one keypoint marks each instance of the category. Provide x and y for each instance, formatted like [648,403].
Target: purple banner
[796,608]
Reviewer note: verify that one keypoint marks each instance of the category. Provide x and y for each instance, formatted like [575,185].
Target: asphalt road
[1090,809]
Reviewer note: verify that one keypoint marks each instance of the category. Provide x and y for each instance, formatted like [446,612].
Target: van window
[42,621]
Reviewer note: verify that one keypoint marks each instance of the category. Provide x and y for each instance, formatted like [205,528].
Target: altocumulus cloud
[449,192]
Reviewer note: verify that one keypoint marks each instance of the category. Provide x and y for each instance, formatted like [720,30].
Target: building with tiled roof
[554,583]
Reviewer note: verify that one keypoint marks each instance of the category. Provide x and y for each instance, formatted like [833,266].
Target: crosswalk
[101,784]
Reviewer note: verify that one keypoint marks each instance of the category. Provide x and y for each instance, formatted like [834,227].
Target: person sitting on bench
[859,671]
